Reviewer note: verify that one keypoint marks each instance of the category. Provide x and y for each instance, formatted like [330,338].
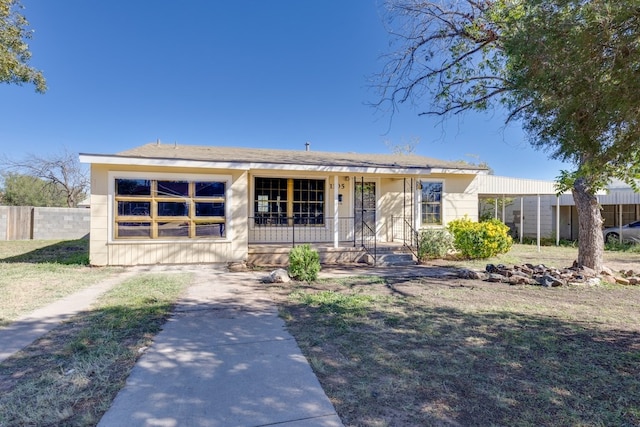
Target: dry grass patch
[36,273]
[70,376]
[418,351]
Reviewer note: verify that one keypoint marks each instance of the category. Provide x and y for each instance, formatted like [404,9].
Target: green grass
[36,273]
[67,252]
[70,376]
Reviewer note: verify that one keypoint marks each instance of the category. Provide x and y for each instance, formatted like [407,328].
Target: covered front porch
[372,217]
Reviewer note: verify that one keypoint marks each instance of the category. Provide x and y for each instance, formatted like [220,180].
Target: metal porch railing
[297,230]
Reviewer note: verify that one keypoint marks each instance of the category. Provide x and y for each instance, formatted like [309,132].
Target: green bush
[480,239]
[304,263]
[434,243]
[622,247]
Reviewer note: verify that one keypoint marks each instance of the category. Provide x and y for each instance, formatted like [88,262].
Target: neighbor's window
[285,201]
[431,206]
[169,209]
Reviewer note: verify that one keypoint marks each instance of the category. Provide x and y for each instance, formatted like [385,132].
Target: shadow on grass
[69,252]
[226,359]
[404,364]
[71,375]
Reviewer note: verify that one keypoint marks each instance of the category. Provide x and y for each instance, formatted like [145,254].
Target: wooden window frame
[190,221]
[288,214]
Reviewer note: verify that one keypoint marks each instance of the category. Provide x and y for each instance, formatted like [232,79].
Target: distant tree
[567,69]
[27,190]
[14,50]
[403,147]
[63,173]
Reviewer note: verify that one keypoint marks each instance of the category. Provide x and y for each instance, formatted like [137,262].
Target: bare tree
[62,171]
[403,147]
[566,69]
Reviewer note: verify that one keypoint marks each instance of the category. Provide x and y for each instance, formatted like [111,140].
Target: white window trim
[113,175]
[419,224]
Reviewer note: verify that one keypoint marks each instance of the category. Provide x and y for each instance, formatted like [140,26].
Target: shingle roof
[301,157]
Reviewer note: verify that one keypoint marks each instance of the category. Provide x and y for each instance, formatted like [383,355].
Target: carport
[501,187]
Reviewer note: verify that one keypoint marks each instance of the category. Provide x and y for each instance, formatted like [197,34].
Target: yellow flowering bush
[480,239]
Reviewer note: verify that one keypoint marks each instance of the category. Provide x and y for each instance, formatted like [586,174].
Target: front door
[365,211]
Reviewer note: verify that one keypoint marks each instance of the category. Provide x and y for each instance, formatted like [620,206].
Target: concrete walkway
[223,359]
[27,329]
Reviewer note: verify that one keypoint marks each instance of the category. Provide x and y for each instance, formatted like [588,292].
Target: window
[431,206]
[283,201]
[169,209]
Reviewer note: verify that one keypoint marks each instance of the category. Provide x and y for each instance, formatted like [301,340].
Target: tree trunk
[590,239]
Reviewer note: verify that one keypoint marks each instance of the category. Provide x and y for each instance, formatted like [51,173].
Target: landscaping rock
[592,281]
[495,277]
[279,276]
[622,280]
[236,266]
[541,275]
[606,270]
[465,273]
[550,281]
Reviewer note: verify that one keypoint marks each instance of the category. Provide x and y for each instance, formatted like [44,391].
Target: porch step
[390,259]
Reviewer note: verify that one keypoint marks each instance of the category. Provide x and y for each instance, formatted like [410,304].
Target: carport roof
[498,186]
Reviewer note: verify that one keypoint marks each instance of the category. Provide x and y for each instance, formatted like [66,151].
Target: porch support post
[336,219]
[538,224]
[557,220]
[495,208]
[503,210]
[417,200]
[521,218]
[620,221]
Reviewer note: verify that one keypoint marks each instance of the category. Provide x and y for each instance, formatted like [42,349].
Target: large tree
[568,70]
[62,172]
[27,190]
[14,49]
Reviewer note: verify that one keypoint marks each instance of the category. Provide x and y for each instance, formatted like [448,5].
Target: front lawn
[453,352]
[35,273]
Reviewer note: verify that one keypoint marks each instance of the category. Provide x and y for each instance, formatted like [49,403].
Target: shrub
[304,263]
[622,247]
[480,239]
[434,243]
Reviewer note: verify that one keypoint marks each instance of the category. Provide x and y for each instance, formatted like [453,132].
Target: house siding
[460,197]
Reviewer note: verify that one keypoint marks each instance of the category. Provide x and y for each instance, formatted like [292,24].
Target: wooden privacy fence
[19,222]
[39,223]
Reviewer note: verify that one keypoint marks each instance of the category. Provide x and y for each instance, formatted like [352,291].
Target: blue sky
[268,74]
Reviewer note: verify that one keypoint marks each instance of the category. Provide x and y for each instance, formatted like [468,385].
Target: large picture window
[286,201]
[169,209]
[431,205]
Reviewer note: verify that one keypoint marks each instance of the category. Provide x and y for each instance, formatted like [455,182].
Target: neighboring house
[168,203]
